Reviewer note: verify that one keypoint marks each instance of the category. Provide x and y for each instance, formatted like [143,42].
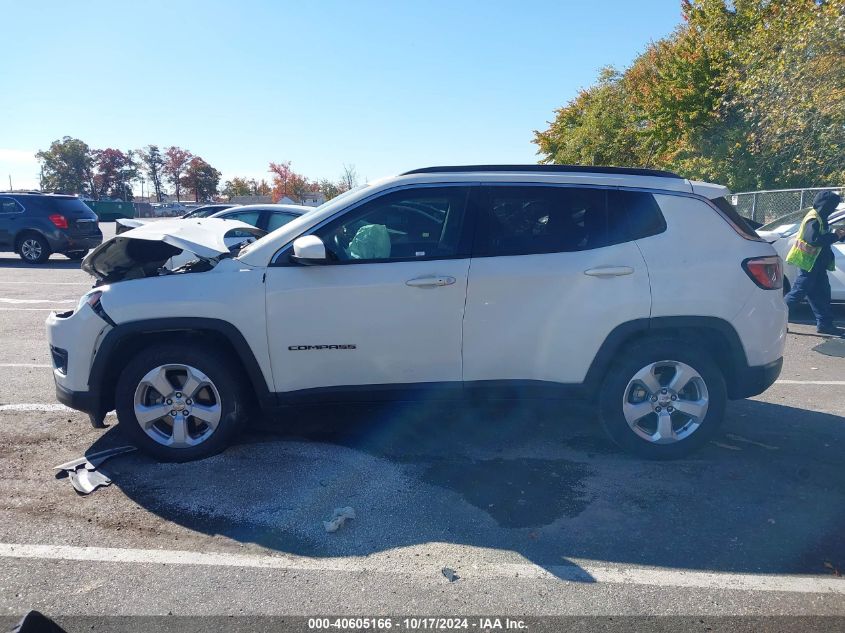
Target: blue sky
[385,86]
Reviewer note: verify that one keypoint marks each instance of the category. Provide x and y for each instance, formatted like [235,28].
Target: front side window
[420,223]
[277,220]
[249,217]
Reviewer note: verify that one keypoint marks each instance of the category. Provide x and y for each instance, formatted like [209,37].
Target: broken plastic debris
[339,517]
[450,574]
[83,473]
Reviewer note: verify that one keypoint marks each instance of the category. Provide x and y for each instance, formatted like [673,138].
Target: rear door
[837,277]
[10,218]
[554,271]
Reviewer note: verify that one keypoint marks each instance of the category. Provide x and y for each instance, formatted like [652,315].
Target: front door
[388,309]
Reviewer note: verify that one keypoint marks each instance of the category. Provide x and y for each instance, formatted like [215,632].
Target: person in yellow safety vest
[812,254]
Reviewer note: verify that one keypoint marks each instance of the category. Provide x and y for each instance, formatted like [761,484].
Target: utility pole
[10,182]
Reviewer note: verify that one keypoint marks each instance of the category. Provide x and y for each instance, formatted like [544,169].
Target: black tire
[786,286]
[76,256]
[33,248]
[614,389]
[216,366]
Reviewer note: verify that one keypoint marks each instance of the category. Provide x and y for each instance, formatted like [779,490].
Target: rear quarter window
[732,215]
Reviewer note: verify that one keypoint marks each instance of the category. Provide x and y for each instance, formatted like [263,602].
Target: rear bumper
[64,242]
[751,381]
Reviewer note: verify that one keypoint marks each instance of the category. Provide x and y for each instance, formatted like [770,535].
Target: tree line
[71,166]
[749,93]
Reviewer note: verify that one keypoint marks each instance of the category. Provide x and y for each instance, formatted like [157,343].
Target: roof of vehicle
[593,169]
[39,193]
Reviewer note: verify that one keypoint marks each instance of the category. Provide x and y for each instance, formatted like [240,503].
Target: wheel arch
[126,339]
[717,336]
[23,233]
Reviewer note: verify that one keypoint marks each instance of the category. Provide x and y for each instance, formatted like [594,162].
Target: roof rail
[592,169]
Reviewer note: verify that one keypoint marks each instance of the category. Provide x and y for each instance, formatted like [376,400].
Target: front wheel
[663,399]
[180,402]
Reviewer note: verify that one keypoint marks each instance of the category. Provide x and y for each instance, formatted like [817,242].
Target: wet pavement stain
[516,493]
[832,347]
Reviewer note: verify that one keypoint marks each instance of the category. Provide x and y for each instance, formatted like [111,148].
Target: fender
[735,362]
[101,376]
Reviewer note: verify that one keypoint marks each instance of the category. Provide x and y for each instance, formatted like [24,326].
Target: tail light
[59,220]
[766,272]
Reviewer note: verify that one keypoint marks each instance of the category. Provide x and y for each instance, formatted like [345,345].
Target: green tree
[238,187]
[114,172]
[67,167]
[153,164]
[201,179]
[750,93]
[176,162]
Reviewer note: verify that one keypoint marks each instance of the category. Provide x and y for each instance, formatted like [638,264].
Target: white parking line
[586,572]
[24,365]
[810,382]
[46,283]
[35,406]
[7,300]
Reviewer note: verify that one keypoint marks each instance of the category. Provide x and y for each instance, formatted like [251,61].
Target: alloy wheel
[177,405]
[665,402]
[31,249]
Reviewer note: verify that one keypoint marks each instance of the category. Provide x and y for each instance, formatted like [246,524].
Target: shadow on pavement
[541,480]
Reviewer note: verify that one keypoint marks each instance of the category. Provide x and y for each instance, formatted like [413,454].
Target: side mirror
[309,250]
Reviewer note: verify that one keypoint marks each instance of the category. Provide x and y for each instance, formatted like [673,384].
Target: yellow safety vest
[803,254]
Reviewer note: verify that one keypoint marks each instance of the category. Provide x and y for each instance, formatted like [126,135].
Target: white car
[641,291]
[781,233]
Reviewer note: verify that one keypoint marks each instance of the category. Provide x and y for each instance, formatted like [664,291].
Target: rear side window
[639,210]
[527,220]
[8,205]
[277,220]
[736,220]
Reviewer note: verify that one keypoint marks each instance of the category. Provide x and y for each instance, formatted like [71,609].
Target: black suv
[35,225]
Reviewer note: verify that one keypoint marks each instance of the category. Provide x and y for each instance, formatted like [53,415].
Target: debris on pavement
[339,517]
[450,574]
[83,473]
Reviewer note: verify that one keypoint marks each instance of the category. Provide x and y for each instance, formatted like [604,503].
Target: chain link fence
[765,206]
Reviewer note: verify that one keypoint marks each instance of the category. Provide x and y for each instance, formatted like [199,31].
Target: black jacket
[813,236]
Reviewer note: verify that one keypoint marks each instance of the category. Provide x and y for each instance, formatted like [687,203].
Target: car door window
[528,220]
[249,217]
[412,224]
[8,206]
[277,220]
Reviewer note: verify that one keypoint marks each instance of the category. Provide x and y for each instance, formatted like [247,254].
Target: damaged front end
[168,247]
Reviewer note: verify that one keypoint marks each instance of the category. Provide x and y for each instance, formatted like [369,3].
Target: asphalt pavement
[529,505]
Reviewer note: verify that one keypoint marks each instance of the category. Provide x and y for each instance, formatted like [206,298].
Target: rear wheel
[663,399]
[34,249]
[180,402]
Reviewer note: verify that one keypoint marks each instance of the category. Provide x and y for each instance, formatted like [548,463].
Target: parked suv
[35,225]
[638,290]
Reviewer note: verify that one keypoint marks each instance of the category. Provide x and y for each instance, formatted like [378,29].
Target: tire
[786,286]
[76,256]
[220,393]
[636,426]
[33,249]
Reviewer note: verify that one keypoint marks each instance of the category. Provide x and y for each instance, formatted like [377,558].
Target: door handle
[609,271]
[430,282]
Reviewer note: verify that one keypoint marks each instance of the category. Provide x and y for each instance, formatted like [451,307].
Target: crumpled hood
[140,252]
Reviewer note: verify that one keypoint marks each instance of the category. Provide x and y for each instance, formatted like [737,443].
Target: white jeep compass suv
[640,290]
